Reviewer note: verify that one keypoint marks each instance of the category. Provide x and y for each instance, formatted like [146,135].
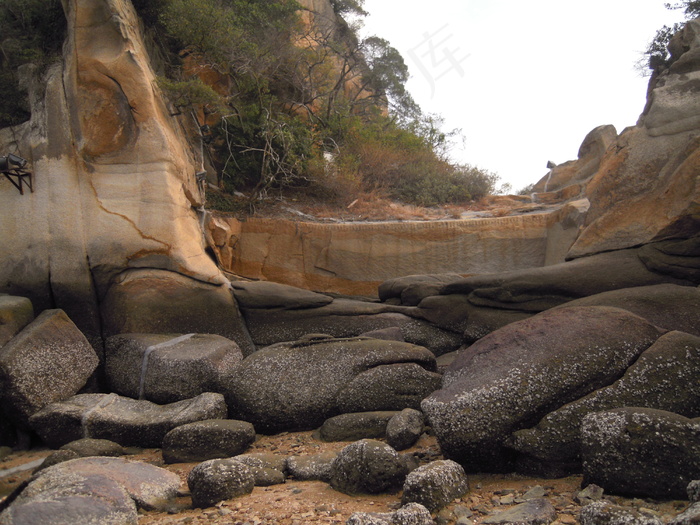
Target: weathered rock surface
[346,318]
[355,426]
[537,511]
[641,452]
[297,385]
[219,479]
[313,467]
[435,485]
[513,377]
[92,490]
[209,439]
[94,447]
[150,301]
[123,420]
[367,467]
[49,361]
[411,514]
[165,368]
[664,377]
[267,469]
[404,429]
[667,306]
[115,176]
[15,314]
[261,294]
[606,513]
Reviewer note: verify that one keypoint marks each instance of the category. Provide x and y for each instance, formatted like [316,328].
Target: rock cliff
[113,172]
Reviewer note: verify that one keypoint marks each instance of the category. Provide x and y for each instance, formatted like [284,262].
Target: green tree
[656,55]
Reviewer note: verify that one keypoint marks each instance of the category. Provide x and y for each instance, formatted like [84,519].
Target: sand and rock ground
[307,502]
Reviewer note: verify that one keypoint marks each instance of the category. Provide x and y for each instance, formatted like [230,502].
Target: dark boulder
[219,479]
[367,467]
[297,386]
[513,377]
[209,439]
[641,452]
[354,426]
[435,485]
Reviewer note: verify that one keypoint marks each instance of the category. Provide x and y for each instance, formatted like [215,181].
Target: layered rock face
[114,185]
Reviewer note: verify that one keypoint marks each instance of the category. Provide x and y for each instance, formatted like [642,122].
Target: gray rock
[49,361]
[395,288]
[95,447]
[690,516]
[347,318]
[668,306]
[664,377]
[267,469]
[122,420]
[150,487]
[360,425]
[263,294]
[209,439]
[314,467]
[538,289]
[219,479]
[15,314]
[411,514]
[388,387]
[367,467]
[694,491]
[393,333]
[151,301]
[404,429]
[81,499]
[295,386]
[55,458]
[605,513]
[435,485]
[589,494]
[165,368]
[641,452]
[521,372]
[532,512]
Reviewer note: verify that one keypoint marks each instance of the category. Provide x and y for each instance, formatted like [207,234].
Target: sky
[525,81]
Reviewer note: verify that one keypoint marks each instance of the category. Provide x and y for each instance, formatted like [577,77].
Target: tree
[656,55]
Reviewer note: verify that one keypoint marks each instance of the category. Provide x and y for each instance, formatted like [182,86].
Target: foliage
[32,31]
[656,55]
[349,7]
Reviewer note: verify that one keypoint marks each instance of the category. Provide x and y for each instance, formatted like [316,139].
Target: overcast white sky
[527,80]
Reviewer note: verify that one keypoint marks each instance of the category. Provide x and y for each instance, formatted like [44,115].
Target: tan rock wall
[354,258]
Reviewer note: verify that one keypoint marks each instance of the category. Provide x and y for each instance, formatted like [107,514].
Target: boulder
[123,420]
[15,314]
[404,429]
[536,289]
[694,491]
[435,485]
[393,333]
[296,386]
[268,295]
[641,452]
[49,361]
[219,479]
[606,513]
[355,426]
[346,318]
[411,514]
[93,490]
[668,306]
[76,499]
[388,387]
[367,467]
[267,469]
[144,301]
[87,447]
[208,439]
[537,511]
[689,516]
[411,288]
[165,368]
[313,467]
[513,377]
[664,377]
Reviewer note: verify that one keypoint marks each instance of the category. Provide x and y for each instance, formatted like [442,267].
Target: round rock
[211,439]
[368,467]
[217,480]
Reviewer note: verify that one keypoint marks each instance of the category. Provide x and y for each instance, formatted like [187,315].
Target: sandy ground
[299,503]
